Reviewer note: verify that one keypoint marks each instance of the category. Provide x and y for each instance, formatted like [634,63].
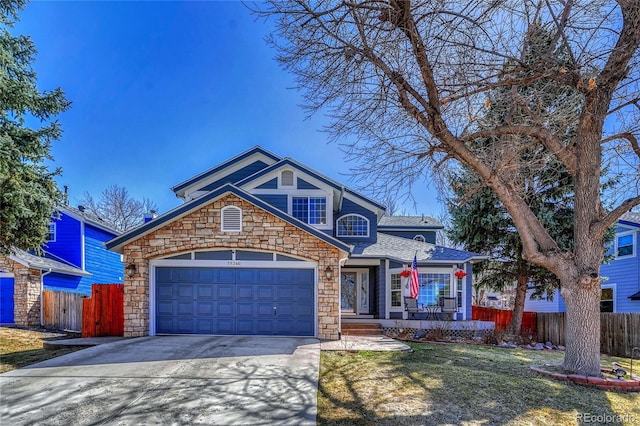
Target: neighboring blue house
[74,257]
[621,276]
[222,262]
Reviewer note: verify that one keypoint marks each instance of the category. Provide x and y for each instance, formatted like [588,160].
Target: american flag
[415,284]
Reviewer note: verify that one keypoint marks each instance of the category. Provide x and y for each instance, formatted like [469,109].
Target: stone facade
[201,230]
[27,286]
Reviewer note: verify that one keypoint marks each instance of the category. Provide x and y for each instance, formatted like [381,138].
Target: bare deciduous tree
[117,208]
[409,80]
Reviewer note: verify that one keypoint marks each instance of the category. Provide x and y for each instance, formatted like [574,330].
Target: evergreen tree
[479,219]
[28,192]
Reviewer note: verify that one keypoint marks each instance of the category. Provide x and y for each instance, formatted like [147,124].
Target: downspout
[341,263]
[41,298]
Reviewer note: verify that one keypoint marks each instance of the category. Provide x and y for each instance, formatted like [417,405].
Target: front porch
[467,329]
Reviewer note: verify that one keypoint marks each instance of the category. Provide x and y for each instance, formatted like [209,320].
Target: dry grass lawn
[460,384]
[19,348]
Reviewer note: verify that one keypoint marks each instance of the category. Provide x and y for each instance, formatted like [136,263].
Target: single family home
[264,245]
[620,276]
[73,257]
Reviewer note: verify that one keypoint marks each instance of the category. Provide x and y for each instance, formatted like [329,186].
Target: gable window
[311,210]
[420,238]
[231,219]
[51,233]
[286,178]
[352,225]
[624,245]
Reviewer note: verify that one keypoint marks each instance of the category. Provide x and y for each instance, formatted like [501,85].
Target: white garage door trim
[240,264]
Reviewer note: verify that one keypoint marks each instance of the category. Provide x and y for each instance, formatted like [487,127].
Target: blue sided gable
[303,184]
[349,207]
[236,176]
[272,184]
[278,201]
[67,244]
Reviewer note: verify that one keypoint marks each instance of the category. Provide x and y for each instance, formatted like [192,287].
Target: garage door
[257,301]
[6,299]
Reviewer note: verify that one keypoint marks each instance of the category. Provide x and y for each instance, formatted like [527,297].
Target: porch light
[130,269]
[328,272]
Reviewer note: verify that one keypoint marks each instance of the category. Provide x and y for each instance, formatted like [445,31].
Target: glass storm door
[348,292]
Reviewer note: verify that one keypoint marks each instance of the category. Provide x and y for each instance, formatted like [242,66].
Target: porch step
[361,329]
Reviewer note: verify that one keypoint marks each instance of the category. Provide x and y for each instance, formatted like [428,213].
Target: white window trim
[420,237]
[611,286]
[353,236]
[633,244]
[313,193]
[222,222]
[53,226]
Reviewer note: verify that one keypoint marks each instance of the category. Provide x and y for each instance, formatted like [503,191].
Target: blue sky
[162,91]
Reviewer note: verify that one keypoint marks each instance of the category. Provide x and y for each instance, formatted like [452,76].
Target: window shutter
[231,219]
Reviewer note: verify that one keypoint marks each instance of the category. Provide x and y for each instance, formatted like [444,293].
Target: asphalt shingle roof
[408,221]
[404,249]
[631,217]
[45,263]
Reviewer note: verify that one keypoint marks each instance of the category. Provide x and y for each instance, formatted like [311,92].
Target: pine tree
[28,192]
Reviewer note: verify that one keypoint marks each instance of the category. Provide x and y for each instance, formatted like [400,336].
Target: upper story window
[286,178]
[352,225]
[311,210]
[51,233]
[231,219]
[420,238]
[624,245]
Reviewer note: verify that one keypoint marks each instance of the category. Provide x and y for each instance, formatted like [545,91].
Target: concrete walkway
[170,380]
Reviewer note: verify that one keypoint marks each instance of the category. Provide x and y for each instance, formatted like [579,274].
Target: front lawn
[462,385]
[19,348]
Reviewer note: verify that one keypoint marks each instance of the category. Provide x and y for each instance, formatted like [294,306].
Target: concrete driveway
[169,380]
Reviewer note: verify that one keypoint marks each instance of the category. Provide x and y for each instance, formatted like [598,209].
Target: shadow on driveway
[170,379]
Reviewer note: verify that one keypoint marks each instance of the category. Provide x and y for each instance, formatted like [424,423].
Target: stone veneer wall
[201,230]
[26,292]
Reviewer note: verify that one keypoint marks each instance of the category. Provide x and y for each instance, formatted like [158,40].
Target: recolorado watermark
[606,418]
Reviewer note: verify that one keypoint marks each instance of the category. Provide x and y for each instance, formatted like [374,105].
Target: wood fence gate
[103,313]
[62,310]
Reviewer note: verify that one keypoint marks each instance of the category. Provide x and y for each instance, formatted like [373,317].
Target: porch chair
[449,305]
[411,306]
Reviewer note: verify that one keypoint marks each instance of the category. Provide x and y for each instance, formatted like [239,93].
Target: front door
[354,288]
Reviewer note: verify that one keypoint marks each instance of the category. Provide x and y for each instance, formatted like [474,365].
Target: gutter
[42,275]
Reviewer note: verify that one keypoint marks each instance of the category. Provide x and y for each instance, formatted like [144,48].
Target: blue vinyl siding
[272,184]
[279,201]
[303,184]
[236,176]
[105,266]
[67,245]
[543,305]
[349,207]
[624,273]
[429,236]
[381,293]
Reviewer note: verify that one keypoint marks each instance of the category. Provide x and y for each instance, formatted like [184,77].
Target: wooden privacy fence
[103,313]
[502,318]
[62,310]
[619,332]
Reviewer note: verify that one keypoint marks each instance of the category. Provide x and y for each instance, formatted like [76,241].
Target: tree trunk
[515,328]
[582,328]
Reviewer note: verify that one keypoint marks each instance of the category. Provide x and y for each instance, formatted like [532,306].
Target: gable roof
[403,250]
[117,243]
[408,222]
[84,217]
[316,175]
[207,173]
[47,262]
